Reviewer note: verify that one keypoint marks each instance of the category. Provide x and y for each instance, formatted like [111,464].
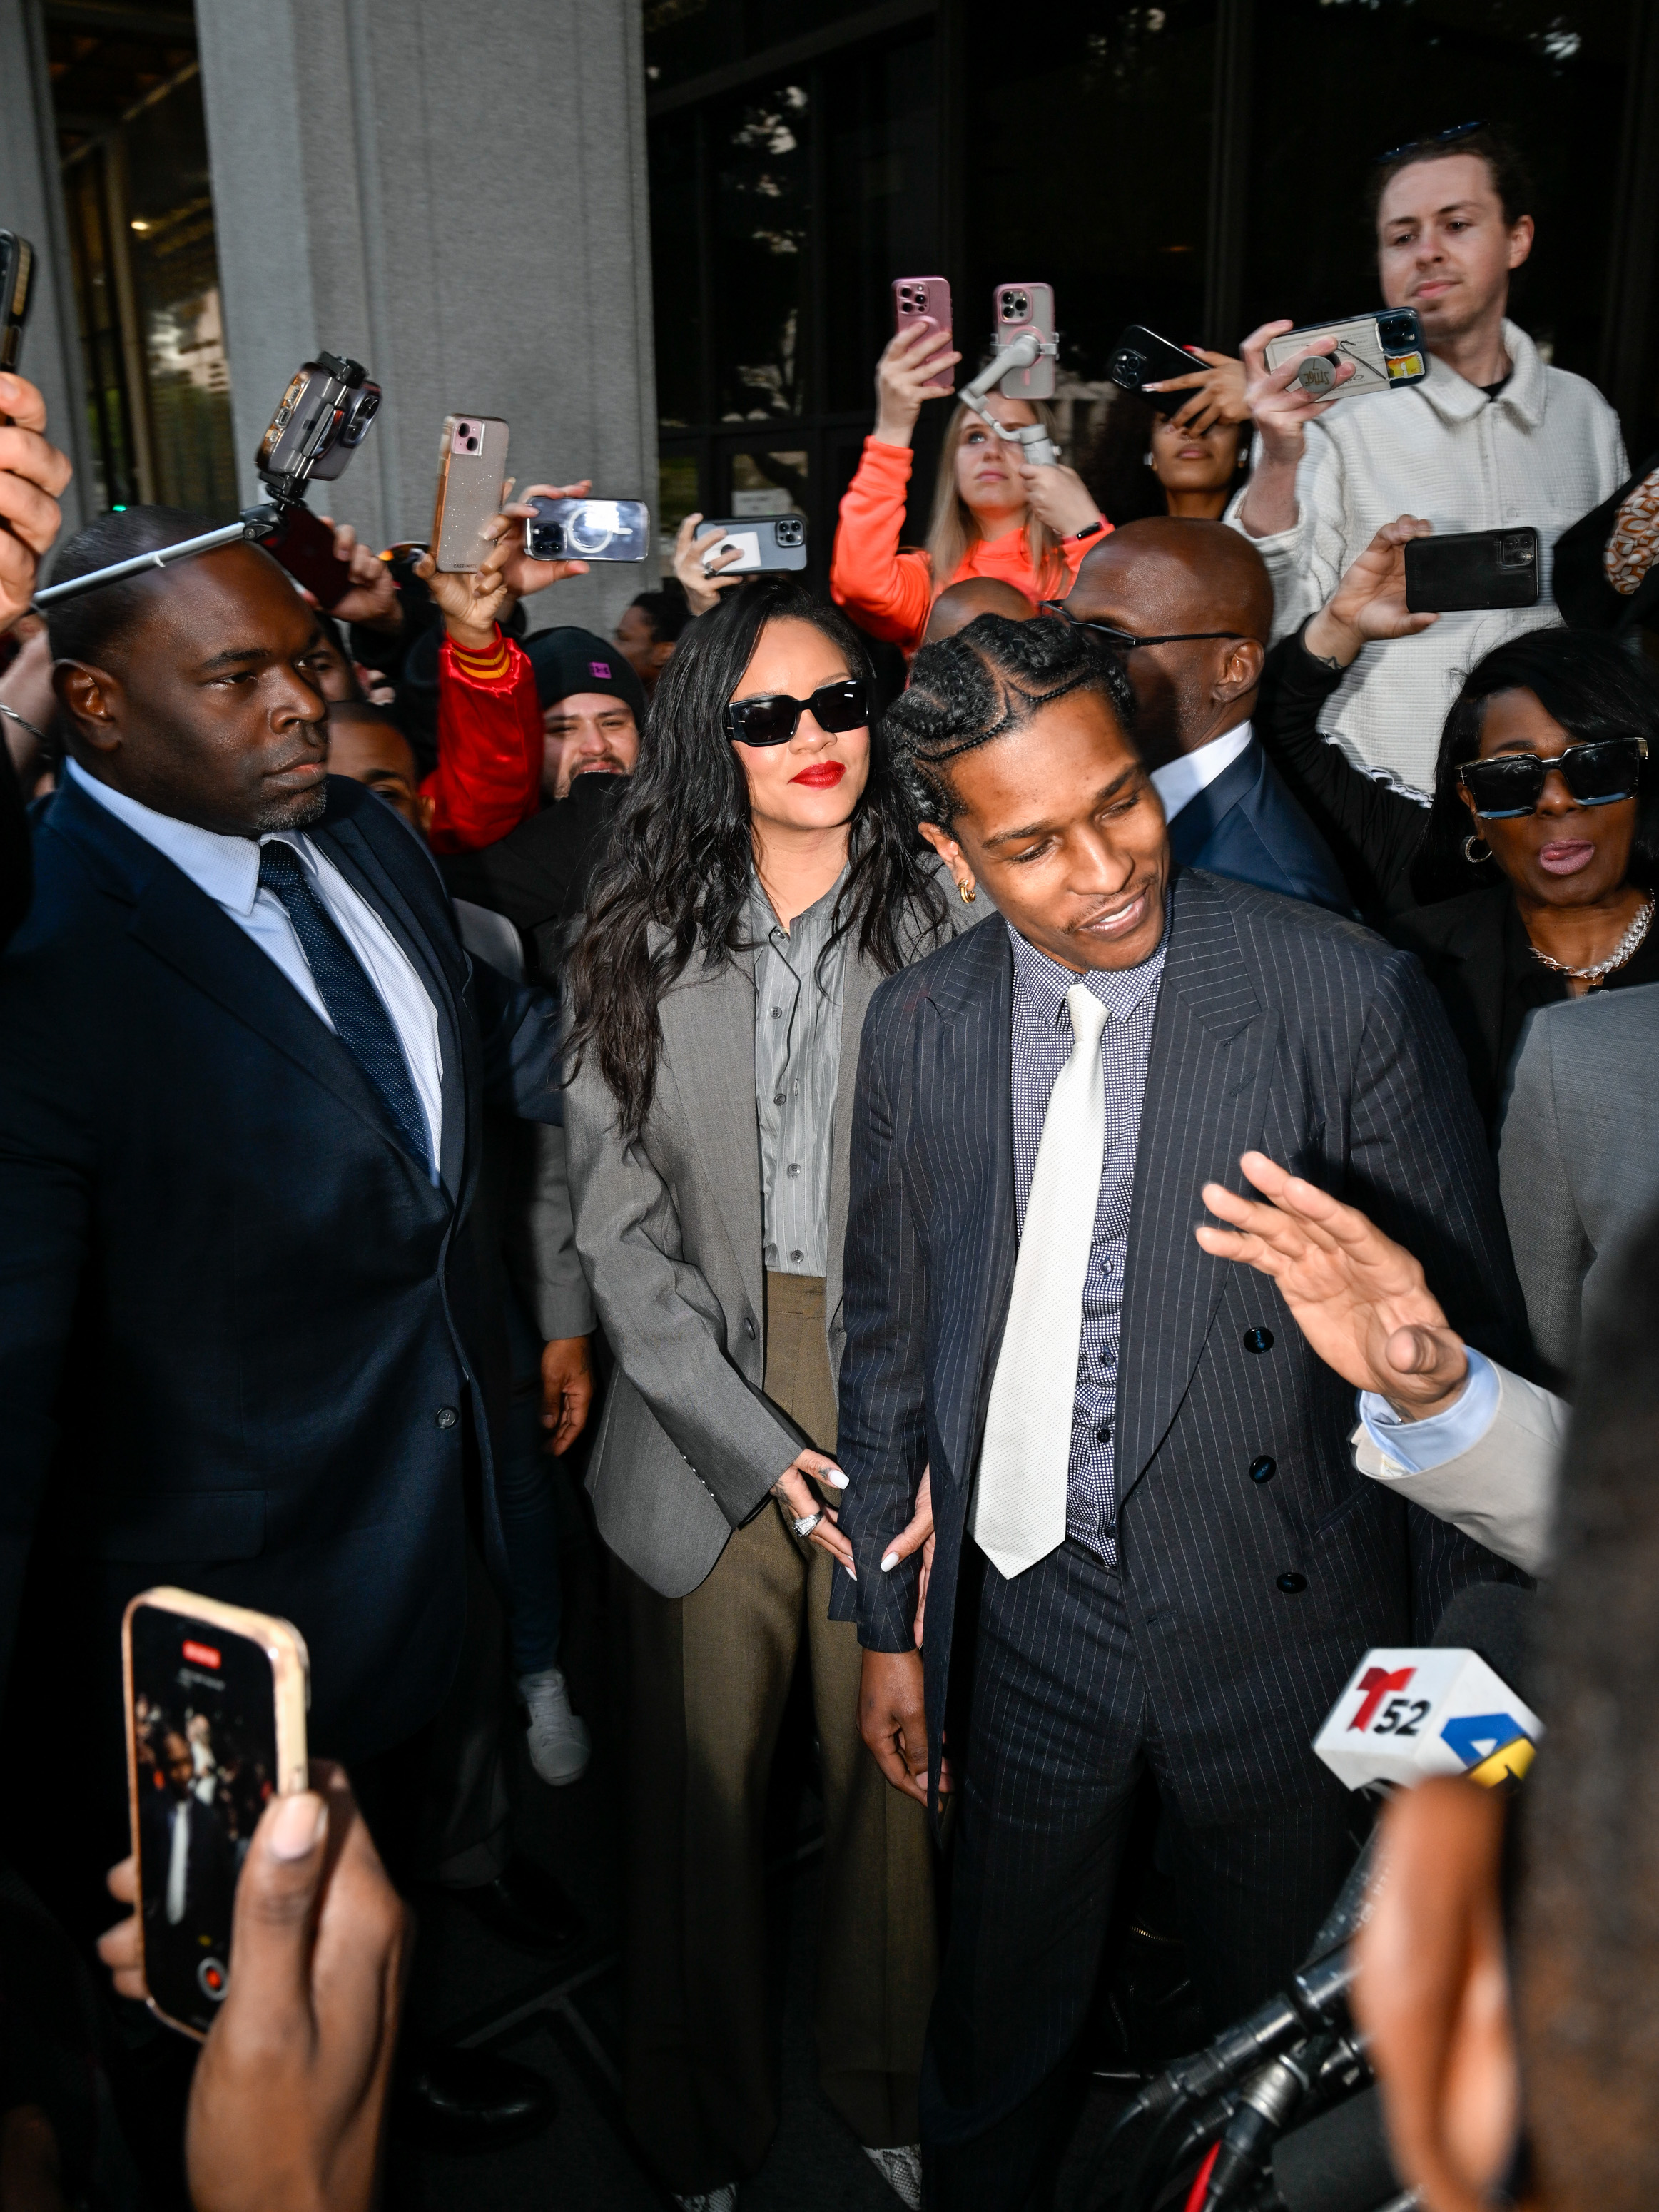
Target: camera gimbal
[1038,447]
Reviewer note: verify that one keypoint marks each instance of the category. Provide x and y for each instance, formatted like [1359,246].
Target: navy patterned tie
[354,1006]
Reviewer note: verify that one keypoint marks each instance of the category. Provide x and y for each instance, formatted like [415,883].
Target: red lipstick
[823,775]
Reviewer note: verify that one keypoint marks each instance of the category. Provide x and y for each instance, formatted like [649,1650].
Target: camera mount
[1025,353]
[255,524]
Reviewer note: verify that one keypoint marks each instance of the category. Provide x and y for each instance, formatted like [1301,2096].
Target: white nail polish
[835,1478]
[890,1563]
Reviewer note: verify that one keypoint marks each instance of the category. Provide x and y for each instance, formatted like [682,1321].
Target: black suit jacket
[1278,1026]
[1247,825]
[236,1315]
[1578,583]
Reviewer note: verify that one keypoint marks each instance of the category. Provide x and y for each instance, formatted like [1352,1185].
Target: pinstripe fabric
[1278,1026]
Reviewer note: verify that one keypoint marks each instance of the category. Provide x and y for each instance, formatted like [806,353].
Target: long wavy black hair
[675,884]
[1594,688]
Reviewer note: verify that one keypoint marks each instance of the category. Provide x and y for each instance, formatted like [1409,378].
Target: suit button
[1263,1469]
[1292,1585]
[1258,1339]
[1103,1433]
[448,1417]
[749,1327]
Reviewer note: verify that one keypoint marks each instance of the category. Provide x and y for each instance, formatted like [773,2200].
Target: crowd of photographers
[631,827]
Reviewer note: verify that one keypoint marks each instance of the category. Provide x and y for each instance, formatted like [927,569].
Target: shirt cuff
[1421,1446]
[487,665]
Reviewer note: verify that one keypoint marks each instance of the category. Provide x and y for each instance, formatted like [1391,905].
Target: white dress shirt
[1544,452]
[1181,780]
[227,870]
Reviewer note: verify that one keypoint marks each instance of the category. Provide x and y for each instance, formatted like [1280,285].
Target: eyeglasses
[1440,140]
[1123,641]
[773,719]
[1597,774]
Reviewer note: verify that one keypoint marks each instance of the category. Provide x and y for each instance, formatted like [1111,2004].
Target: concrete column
[32,204]
[455,191]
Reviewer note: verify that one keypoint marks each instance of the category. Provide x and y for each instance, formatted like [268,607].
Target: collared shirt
[1181,780]
[1041,1046]
[798,995]
[227,870]
[1546,451]
[1421,1446]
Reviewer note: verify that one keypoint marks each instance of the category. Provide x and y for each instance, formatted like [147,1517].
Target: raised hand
[32,474]
[1218,393]
[703,586]
[1369,602]
[523,574]
[1058,497]
[373,601]
[908,364]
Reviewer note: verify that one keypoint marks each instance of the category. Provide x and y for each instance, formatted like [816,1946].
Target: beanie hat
[568,659]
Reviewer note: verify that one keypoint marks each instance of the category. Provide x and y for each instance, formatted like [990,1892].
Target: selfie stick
[1025,353]
[257,522]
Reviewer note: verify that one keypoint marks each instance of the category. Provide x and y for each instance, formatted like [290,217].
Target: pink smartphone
[1016,308]
[924,300]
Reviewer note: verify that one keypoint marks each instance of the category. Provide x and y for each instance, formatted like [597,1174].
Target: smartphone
[1386,348]
[216,1701]
[320,421]
[16,268]
[1016,308]
[587,530]
[924,300]
[777,541]
[471,471]
[1473,568]
[305,546]
[1141,357]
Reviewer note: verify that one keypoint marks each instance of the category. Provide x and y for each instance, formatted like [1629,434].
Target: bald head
[1171,577]
[958,604]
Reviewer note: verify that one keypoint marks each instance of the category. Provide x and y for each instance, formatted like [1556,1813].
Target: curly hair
[681,856]
[989,679]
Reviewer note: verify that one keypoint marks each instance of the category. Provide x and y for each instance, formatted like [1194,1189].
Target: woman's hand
[1058,497]
[918,1531]
[372,602]
[703,587]
[1218,393]
[523,574]
[794,1492]
[1369,602]
[908,367]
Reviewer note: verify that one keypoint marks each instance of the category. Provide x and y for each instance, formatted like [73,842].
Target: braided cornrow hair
[989,679]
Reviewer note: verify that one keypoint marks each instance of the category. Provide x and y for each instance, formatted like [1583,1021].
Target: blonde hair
[953,529]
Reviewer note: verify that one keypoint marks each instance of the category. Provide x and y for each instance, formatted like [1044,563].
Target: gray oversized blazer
[669,1228]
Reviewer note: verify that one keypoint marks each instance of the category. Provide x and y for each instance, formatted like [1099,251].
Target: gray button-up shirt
[1041,1046]
[798,995]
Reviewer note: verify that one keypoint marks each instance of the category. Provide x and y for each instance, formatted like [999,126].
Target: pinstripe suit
[1240,1604]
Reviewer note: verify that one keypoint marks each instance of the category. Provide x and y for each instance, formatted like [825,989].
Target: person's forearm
[1270,503]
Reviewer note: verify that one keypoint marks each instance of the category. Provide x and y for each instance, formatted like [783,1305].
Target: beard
[299,812]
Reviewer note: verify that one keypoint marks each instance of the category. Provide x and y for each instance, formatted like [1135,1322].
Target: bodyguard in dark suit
[245,1059]
[1140,1475]
[1188,605]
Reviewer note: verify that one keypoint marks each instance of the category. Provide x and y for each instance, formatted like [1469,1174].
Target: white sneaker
[723,2199]
[901,2169]
[560,1746]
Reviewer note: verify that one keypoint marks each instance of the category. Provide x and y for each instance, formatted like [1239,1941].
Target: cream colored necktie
[1019,1504]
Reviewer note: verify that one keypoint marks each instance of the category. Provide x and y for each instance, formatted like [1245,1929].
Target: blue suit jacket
[1247,825]
[236,1316]
[1279,1027]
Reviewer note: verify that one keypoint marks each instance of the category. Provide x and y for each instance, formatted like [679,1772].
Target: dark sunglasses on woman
[1596,773]
[775,718]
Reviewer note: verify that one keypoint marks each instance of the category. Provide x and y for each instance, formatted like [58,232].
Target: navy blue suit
[238,1319]
[1247,825]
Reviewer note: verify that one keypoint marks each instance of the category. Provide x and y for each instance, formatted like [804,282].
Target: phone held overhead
[776,541]
[1141,357]
[1470,569]
[925,299]
[16,269]
[1385,350]
[215,1715]
[471,477]
[587,530]
[1025,348]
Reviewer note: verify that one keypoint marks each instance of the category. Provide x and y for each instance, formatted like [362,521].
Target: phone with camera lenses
[215,1714]
[925,299]
[304,544]
[1015,310]
[587,530]
[1470,569]
[1141,357]
[16,273]
[777,541]
[471,472]
[1386,350]
[320,421]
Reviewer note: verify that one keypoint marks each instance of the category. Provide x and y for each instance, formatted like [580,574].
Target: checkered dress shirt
[1041,1046]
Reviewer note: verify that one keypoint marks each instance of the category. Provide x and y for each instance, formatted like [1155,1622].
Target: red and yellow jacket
[488,776]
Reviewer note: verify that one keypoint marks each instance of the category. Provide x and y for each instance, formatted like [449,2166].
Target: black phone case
[1472,569]
[305,547]
[1164,359]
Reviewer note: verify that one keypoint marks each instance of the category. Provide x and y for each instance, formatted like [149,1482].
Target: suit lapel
[1209,1062]
[709,1043]
[1199,819]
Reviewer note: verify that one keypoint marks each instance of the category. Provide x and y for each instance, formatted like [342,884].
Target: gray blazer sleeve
[660,1317]
[540,1237]
[1552,1248]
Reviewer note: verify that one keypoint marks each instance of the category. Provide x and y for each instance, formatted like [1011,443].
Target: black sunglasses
[1596,773]
[1121,640]
[1437,143]
[775,718]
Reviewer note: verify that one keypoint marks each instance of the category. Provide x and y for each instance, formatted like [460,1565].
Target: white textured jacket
[1545,452]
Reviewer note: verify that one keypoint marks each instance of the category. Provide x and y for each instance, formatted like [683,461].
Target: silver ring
[806,1522]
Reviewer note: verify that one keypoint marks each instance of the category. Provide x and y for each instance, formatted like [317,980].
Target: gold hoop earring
[969,894]
[1474,858]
